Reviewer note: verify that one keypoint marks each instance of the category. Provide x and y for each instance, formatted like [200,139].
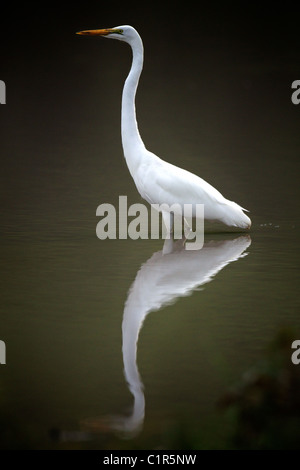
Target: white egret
[158,181]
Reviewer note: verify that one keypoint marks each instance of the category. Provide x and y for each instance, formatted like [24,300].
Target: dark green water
[203,318]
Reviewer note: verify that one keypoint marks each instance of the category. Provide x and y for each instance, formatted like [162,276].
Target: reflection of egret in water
[160,281]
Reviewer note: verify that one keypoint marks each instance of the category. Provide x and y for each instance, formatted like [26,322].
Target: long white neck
[131,138]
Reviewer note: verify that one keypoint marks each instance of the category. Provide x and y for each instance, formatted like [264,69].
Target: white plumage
[158,181]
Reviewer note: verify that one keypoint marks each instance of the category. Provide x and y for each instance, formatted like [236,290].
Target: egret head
[122,33]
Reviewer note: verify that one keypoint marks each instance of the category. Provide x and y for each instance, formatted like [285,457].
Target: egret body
[158,181]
